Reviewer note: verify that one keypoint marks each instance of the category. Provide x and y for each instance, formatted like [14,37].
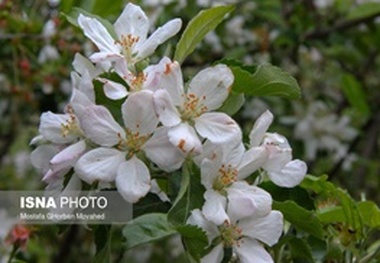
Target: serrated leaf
[370,213]
[104,8]
[301,218]
[364,10]
[300,249]
[147,228]
[194,239]
[102,238]
[204,22]
[354,93]
[72,18]
[266,80]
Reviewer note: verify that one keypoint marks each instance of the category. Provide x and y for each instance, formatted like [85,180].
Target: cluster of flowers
[163,124]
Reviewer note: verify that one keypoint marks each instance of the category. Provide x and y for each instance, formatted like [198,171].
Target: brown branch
[338,27]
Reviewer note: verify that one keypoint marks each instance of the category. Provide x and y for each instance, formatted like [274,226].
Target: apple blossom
[190,113]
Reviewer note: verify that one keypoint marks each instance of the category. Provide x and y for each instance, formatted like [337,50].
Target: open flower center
[133,142]
[71,126]
[138,81]
[127,42]
[193,107]
[231,234]
[226,176]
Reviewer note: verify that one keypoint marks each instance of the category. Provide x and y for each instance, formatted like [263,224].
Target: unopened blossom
[243,235]
[281,169]
[190,114]
[19,236]
[223,177]
[131,29]
[118,159]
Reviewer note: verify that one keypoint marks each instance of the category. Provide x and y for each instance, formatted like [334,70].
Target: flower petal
[99,164]
[157,145]
[251,251]
[252,160]
[158,37]
[113,90]
[212,85]
[51,127]
[246,200]
[210,171]
[41,156]
[165,108]
[132,21]
[138,113]
[267,229]
[218,127]
[260,128]
[172,81]
[291,175]
[197,218]
[133,179]
[95,31]
[183,136]
[215,255]
[99,126]
[214,207]
[68,156]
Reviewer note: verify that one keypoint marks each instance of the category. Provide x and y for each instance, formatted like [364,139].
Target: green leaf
[147,228]
[194,240]
[354,93]
[300,249]
[72,18]
[103,244]
[105,8]
[364,10]
[204,22]
[233,103]
[300,217]
[266,80]
[370,214]
[190,195]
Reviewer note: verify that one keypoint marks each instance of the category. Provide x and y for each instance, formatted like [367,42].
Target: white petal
[51,127]
[252,160]
[246,200]
[250,251]
[210,171]
[133,179]
[99,164]
[95,31]
[132,21]
[260,128]
[158,37]
[84,84]
[172,80]
[79,102]
[82,65]
[68,156]
[291,175]
[41,156]
[214,208]
[196,218]
[54,176]
[216,255]
[99,126]
[212,86]
[267,229]
[113,90]
[138,113]
[99,57]
[155,189]
[218,127]
[165,108]
[158,144]
[183,136]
